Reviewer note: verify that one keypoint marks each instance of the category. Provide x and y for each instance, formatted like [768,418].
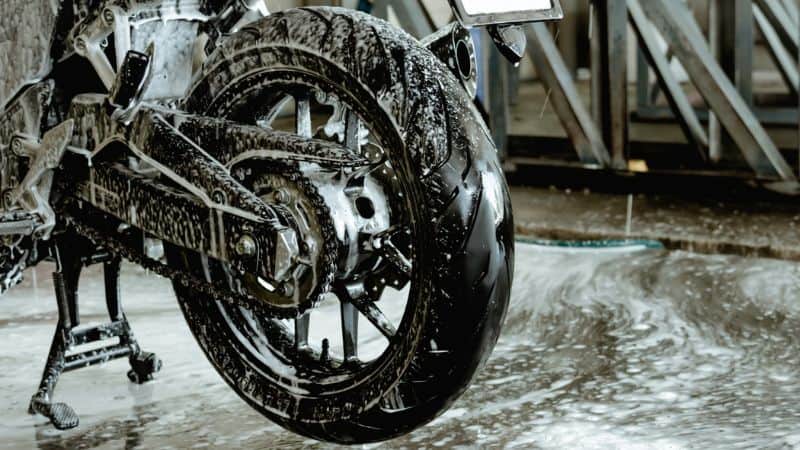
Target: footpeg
[61,415]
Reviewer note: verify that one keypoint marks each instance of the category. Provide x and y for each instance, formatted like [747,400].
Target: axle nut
[246,246]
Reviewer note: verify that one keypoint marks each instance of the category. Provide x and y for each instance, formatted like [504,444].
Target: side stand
[71,259]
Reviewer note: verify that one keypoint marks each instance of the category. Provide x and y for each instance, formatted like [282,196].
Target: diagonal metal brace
[575,117]
[676,24]
[785,27]
[784,60]
[678,100]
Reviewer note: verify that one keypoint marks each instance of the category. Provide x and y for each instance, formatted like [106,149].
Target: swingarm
[184,180]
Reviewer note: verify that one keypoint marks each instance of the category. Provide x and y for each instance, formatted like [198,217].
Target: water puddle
[642,350]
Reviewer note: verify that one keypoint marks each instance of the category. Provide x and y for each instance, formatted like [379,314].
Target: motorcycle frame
[216,213]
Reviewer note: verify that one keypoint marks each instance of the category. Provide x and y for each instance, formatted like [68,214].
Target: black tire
[455,182]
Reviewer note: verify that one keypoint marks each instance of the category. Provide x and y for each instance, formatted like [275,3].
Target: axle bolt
[246,246]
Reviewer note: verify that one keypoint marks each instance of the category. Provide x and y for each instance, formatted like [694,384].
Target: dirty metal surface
[647,350]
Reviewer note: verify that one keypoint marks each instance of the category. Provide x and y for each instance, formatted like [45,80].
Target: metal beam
[714,127]
[785,61]
[679,102]
[732,37]
[792,10]
[676,24]
[784,25]
[610,76]
[780,116]
[557,79]
[737,37]
[642,81]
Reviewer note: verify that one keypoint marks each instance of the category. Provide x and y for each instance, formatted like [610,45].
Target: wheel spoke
[392,254]
[301,326]
[376,317]
[349,331]
[303,116]
[357,296]
[352,132]
[267,120]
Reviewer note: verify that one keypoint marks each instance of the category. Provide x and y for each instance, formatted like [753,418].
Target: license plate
[488,12]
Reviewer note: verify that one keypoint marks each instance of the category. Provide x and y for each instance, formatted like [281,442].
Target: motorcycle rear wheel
[455,198]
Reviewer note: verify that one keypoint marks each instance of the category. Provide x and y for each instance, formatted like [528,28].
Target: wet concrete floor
[644,350]
[702,224]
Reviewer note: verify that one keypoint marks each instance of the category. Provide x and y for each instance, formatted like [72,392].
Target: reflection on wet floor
[634,351]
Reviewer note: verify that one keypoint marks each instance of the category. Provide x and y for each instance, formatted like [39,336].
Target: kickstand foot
[61,415]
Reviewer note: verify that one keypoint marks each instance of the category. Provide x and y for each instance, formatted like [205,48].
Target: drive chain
[219,289]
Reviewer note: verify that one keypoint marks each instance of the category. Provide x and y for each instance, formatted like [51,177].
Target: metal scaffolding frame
[576,118]
[721,71]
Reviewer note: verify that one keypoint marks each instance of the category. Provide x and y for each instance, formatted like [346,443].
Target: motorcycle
[271,165]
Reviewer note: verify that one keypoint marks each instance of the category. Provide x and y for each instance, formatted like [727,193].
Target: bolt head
[218,197]
[246,246]
[80,45]
[8,199]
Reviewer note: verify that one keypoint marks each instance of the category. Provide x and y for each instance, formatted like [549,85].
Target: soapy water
[638,350]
